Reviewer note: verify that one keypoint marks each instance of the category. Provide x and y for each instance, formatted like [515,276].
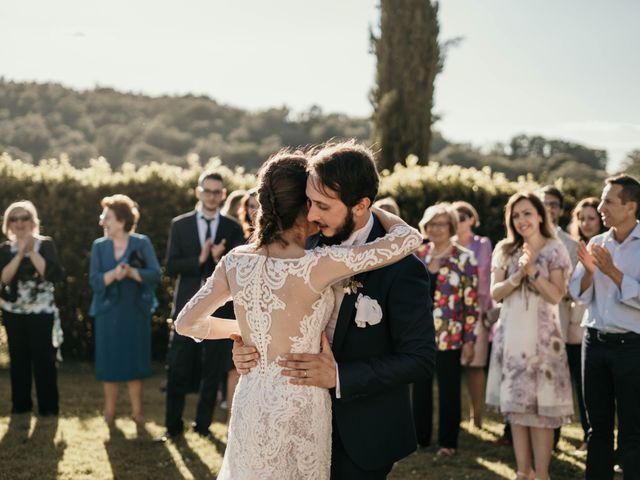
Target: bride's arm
[338,262]
[194,320]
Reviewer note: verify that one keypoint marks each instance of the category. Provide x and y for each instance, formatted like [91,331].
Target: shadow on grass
[31,456]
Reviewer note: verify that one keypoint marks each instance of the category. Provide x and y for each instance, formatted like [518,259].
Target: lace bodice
[282,305]
[279,430]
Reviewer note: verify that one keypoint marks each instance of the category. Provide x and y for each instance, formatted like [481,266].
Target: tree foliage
[45,120]
[408,57]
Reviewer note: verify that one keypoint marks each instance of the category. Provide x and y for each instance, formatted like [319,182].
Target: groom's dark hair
[348,168]
[282,181]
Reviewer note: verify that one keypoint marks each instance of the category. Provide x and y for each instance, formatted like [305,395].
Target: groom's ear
[362,207]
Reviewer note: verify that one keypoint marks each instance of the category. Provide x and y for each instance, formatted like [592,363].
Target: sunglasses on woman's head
[20,218]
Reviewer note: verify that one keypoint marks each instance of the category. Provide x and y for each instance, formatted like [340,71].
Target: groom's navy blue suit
[372,420]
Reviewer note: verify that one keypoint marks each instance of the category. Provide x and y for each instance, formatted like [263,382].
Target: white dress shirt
[612,309]
[202,226]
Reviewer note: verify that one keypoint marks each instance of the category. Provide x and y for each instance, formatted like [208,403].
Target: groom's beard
[342,233]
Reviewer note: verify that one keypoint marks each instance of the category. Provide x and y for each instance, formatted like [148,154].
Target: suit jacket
[377,363]
[183,252]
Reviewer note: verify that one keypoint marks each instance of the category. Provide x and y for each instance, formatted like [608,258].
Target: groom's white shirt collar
[359,237]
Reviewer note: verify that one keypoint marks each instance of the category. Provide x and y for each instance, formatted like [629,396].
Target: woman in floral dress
[453,276]
[528,374]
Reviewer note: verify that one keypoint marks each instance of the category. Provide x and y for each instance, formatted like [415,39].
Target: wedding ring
[305,374]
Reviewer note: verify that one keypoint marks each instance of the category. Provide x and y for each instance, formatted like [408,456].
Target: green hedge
[68,204]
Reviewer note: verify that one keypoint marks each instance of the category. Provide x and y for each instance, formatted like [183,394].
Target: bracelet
[534,277]
[510,280]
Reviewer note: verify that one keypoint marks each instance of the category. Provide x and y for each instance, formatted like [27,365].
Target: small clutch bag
[136,260]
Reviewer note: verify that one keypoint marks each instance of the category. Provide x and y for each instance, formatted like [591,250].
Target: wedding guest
[123,273]
[585,224]
[468,219]
[528,372]
[231,205]
[607,280]
[30,267]
[197,242]
[388,204]
[453,276]
[248,211]
[553,201]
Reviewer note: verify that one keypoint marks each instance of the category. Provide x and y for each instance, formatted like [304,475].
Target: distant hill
[44,120]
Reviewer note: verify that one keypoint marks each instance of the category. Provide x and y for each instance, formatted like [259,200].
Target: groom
[368,370]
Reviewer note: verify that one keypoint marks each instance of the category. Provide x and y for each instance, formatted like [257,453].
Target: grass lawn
[79,445]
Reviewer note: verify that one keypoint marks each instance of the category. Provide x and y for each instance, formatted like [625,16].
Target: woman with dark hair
[528,373]
[468,220]
[30,266]
[231,207]
[283,299]
[123,274]
[248,211]
[585,224]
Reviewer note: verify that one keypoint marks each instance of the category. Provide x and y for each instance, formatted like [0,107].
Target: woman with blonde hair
[528,373]
[453,276]
[30,267]
[123,274]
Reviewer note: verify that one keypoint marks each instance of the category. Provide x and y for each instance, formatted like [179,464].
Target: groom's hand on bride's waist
[244,357]
[312,369]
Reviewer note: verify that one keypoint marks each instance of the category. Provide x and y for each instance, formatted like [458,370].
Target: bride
[283,300]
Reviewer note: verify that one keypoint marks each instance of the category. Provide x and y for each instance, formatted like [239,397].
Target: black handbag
[136,260]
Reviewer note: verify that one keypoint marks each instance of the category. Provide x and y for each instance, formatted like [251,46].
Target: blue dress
[123,310]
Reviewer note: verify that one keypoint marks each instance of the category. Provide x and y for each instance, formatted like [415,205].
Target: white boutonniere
[368,311]
[351,286]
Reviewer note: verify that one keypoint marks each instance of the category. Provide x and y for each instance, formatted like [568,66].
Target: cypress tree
[408,57]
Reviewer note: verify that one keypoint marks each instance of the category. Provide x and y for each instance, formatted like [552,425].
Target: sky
[567,69]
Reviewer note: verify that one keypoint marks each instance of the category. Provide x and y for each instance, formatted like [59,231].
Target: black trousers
[30,350]
[343,468]
[611,380]
[448,374]
[574,356]
[211,358]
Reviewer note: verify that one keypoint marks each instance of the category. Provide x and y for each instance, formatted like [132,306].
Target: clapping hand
[602,259]
[26,244]
[217,250]
[528,259]
[586,258]
[120,271]
[206,251]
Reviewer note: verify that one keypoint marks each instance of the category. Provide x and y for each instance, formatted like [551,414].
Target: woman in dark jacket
[30,266]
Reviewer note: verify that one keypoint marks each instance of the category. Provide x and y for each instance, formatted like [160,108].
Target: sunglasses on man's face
[20,218]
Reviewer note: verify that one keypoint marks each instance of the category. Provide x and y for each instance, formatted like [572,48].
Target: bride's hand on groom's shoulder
[311,369]
[244,357]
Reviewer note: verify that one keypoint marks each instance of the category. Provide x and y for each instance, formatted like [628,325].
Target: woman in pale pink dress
[528,373]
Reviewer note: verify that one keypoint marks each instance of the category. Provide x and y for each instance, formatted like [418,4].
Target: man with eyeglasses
[197,242]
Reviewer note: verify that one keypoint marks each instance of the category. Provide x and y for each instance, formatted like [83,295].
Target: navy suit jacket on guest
[376,364]
[183,252]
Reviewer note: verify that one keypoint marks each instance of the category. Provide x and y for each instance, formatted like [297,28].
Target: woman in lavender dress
[468,219]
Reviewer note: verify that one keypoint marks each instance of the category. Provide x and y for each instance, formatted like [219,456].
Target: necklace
[445,252]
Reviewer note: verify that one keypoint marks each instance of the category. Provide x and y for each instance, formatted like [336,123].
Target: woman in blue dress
[123,274]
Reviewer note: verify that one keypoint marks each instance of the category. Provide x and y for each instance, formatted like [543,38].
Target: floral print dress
[528,374]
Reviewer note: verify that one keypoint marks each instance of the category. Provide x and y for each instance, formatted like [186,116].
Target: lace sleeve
[339,262]
[194,320]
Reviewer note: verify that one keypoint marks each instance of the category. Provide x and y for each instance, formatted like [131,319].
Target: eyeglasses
[437,225]
[206,191]
[20,218]
[552,205]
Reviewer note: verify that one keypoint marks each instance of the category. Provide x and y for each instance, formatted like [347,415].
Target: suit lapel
[193,231]
[348,302]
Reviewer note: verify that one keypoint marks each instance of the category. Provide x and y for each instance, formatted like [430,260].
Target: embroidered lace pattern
[279,430]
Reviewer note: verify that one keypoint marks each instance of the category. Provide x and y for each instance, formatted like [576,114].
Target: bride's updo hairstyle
[282,183]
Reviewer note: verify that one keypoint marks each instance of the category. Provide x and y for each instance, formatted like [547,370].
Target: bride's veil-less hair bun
[282,183]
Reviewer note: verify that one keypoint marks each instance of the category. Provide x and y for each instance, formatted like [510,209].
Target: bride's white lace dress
[278,430]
